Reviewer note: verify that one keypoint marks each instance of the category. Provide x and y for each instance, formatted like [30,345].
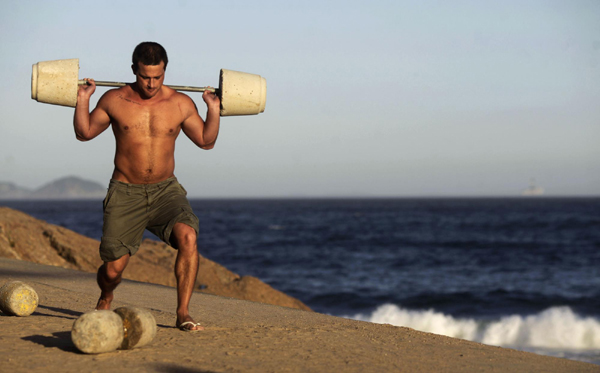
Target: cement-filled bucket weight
[55,82]
[242,93]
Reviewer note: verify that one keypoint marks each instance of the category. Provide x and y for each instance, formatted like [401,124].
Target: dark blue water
[522,273]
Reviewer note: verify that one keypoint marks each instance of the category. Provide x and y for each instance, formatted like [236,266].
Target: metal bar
[175,87]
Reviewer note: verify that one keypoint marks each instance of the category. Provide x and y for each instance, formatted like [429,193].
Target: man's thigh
[124,222]
[171,207]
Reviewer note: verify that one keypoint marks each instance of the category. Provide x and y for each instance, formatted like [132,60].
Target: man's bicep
[192,120]
[99,118]
[193,124]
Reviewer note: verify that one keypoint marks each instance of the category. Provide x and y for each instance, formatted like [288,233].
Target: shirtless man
[146,119]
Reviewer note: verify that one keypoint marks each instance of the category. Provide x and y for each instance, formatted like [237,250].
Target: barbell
[56,82]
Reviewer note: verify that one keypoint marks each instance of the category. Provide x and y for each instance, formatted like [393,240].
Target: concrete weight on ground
[18,299]
[104,331]
[56,82]
[139,327]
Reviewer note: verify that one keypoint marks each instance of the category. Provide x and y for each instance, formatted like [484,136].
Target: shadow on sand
[173,368]
[60,340]
[71,314]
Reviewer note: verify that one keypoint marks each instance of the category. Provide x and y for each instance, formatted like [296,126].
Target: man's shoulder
[114,93]
[176,95]
[180,98]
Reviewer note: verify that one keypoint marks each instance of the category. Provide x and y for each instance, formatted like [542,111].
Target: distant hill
[70,187]
[13,191]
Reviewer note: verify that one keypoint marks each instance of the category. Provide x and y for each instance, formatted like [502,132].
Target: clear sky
[379,98]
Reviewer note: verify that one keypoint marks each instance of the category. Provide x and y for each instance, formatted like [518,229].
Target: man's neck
[138,94]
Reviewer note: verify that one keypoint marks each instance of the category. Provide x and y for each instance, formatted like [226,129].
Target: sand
[240,336]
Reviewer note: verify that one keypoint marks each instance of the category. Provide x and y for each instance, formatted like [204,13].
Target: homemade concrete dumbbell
[18,299]
[104,331]
[56,82]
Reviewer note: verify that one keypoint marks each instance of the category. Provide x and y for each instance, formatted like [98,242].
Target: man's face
[149,78]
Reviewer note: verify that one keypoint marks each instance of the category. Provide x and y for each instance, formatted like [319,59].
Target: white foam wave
[554,328]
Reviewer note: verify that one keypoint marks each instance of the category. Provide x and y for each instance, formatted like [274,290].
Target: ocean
[521,273]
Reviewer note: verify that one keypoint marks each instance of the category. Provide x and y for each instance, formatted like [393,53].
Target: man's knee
[183,237]
[113,270]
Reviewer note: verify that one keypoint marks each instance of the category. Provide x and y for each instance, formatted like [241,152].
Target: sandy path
[240,336]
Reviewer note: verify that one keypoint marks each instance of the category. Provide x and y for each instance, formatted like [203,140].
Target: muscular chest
[159,120]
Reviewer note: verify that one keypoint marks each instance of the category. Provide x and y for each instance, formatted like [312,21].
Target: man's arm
[203,134]
[86,125]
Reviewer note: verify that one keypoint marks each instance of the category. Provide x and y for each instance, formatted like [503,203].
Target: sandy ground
[240,336]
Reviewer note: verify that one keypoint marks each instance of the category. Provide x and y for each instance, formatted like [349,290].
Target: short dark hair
[149,53]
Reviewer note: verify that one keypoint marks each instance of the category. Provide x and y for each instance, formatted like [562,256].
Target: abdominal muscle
[148,161]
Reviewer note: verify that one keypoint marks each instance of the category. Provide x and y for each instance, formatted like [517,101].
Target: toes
[190,326]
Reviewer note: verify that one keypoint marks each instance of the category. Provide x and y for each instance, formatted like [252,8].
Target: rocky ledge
[26,238]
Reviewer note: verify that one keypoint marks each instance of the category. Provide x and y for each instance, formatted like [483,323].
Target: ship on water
[533,190]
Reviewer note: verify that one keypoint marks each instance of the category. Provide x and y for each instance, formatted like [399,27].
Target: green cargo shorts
[129,209]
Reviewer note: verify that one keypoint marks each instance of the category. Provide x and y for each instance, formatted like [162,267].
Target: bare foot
[187,324]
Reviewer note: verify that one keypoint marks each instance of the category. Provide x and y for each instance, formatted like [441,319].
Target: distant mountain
[70,187]
[13,191]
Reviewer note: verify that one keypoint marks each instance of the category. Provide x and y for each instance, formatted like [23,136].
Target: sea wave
[557,328]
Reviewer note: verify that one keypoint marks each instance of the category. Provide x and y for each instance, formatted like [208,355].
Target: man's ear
[134,69]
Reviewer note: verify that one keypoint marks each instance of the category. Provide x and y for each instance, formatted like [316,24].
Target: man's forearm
[211,127]
[81,120]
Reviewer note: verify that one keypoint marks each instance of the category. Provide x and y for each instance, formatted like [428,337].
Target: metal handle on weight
[175,87]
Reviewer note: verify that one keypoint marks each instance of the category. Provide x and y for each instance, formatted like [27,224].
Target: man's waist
[150,186]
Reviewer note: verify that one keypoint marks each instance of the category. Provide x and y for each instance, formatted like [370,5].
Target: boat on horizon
[533,190]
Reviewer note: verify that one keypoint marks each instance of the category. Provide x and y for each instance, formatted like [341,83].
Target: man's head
[149,53]
[149,65]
